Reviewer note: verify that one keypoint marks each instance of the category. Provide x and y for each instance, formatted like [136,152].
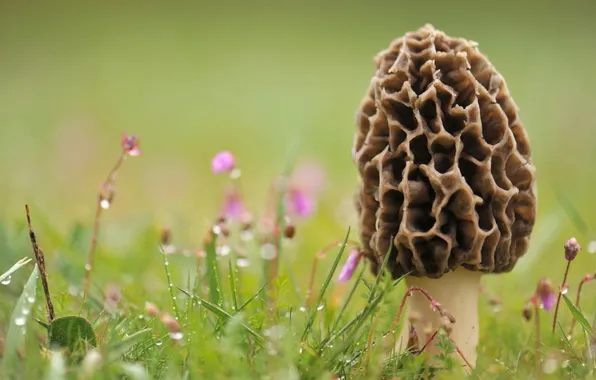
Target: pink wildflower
[300,203]
[223,162]
[572,248]
[546,294]
[350,266]
[233,207]
[130,145]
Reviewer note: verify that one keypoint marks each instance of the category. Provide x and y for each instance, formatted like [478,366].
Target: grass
[217,317]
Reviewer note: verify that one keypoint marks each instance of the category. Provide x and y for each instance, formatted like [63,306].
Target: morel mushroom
[447,183]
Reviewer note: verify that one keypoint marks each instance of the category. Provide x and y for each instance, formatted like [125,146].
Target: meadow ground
[270,82]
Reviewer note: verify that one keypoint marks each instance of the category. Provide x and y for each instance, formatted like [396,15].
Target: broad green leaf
[18,327]
[579,316]
[72,332]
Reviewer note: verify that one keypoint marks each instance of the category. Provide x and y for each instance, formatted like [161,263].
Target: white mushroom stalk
[457,293]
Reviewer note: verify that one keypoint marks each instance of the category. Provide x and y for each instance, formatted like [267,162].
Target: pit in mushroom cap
[444,160]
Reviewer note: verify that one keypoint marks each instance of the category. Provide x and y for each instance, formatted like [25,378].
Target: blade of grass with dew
[18,325]
[253,297]
[121,347]
[19,264]
[232,278]
[313,311]
[224,315]
[579,316]
[348,298]
[213,273]
[359,319]
[166,265]
[567,342]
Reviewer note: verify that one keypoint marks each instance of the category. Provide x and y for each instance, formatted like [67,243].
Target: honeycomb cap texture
[445,164]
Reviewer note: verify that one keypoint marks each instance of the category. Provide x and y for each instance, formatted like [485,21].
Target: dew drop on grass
[176,335]
[223,250]
[25,311]
[7,280]
[158,343]
[88,267]
[564,290]
[20,320]
[268,251]
[105,204]
[166,263]
[30,299]
[320,307]
[217,229]
[302,309]
[243,262]
[246,235]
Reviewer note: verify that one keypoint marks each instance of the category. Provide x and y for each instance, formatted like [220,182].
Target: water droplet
[564,290]
[235,174]
[268,251]
[166,263]
[301,350]
[174,298]
[25,311]
[30,299]
[223,250]
[88,267]
[158,343]
[105,204]
[7,280]
[302,309]
[168,249]
[141,316]
[320,307]
[243,262]
[20,321]
[176,335]
[217,229]
[246,235]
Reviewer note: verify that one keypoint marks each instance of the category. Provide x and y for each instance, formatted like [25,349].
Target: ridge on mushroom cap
[447,179]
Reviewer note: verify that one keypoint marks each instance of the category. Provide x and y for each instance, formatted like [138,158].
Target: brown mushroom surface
[445,161]
[447,182]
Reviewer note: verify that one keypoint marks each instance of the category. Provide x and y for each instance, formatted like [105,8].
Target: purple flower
[300,203]
[223,162]
[546,294]
[350,266]
[233,207]
[572,248]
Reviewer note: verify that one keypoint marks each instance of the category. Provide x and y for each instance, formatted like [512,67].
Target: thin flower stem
[537,348]
[98,212]
[560,294]
[319,256]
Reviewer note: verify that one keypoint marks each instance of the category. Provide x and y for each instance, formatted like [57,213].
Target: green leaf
[232,278]
[72,332]
[19,264]
[18,325]
[121,347]
[579,316]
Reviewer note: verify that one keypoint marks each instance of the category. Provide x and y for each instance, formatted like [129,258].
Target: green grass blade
[17,327]
[348,298]
[253,297]
[213,274]
[223,315]
[121,347]
[166,265]
[19,264]
[313,311]
[579,316]
[232,277]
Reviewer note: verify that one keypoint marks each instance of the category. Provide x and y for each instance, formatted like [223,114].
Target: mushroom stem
[457,292]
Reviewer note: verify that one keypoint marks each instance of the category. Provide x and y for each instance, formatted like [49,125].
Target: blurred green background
[263,79]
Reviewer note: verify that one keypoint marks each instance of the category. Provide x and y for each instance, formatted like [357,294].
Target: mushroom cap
[444,161]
